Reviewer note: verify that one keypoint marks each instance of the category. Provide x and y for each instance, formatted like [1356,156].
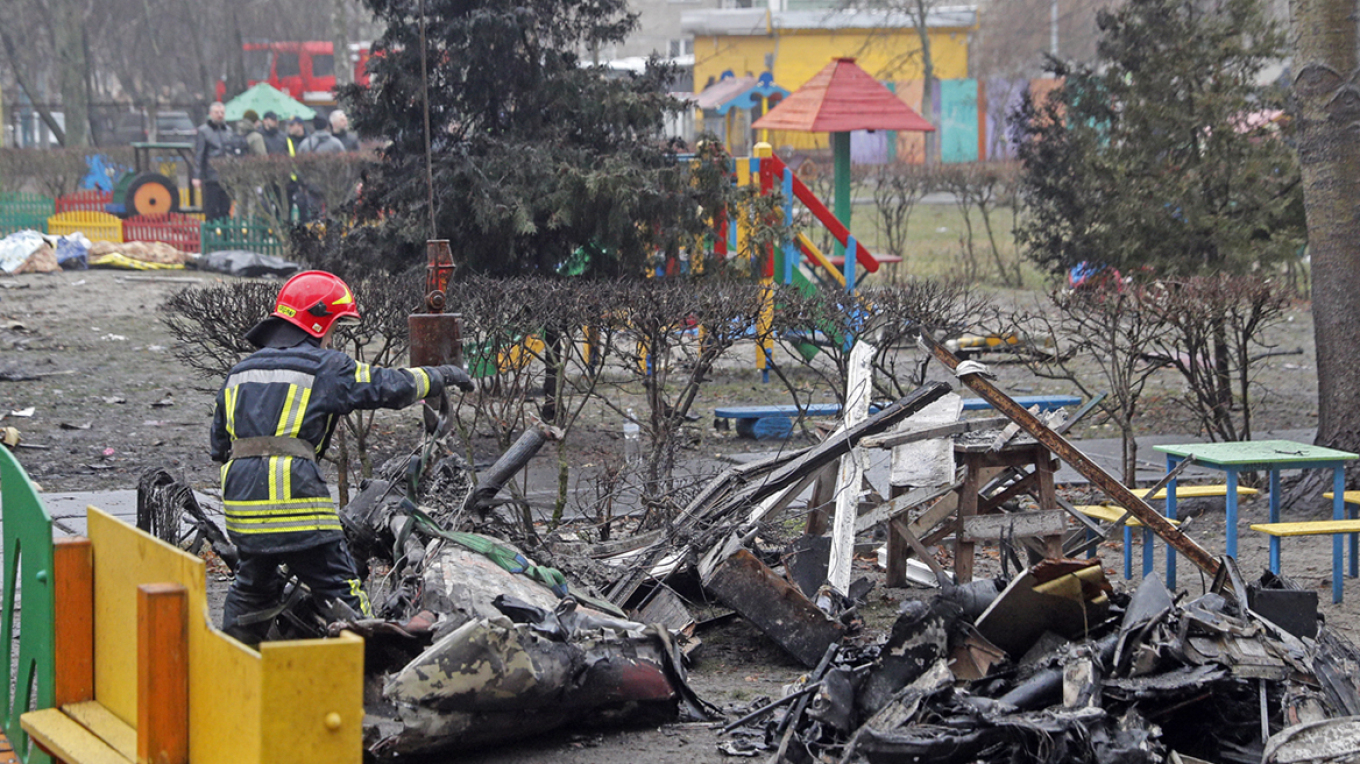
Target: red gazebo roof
[840,98]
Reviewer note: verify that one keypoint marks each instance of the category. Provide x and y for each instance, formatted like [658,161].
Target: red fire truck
[303,70]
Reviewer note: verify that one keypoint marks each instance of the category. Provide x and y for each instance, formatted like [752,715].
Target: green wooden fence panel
[29,676]
[20,212]
[240,233]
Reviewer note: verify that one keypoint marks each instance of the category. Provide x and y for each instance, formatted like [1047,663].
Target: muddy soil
[89,354]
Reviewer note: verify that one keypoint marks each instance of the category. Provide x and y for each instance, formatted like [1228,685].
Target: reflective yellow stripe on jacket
[281,512]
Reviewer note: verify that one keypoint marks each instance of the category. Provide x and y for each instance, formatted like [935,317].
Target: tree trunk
[1325,82]
[921,10]
[236,59]
[72,72]
[1129,450]
[344,71]
[44,113]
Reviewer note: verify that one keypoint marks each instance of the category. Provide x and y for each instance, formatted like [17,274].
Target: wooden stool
[980,463]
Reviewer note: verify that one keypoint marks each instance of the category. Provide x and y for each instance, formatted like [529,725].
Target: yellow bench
[142,675]
[1196,492]
[1110,513]
[1333,528]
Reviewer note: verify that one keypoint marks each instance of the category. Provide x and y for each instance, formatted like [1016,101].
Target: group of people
[260,136]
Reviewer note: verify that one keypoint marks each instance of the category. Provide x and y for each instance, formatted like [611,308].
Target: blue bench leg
[1128,553]
[1275,555]
[1149,546]
[1337,569]
[1355,552]
[1091,550]
[1171,462]
[1338,539]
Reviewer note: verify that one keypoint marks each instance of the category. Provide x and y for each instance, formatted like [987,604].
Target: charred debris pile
[1058,667]
[474,642]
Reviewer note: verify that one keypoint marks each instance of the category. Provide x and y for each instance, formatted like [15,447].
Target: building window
[682,47]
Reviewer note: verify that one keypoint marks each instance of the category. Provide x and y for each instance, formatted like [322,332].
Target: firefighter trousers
[328,570]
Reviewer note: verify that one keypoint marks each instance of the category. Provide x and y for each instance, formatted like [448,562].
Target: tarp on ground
[137,255]
[16,248]
[240,262]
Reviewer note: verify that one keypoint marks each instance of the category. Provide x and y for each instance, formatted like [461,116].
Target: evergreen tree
[1161,155]
[536,158]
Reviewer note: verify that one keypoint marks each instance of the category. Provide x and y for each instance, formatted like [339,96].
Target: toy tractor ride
[152,186]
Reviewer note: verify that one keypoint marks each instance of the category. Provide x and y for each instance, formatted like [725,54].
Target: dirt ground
[88,354]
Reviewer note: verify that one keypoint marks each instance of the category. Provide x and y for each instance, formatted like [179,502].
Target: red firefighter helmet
[314,300]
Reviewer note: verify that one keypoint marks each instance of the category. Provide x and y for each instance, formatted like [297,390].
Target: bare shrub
[819,329]
[979,189]
[669,335]
[52,172]
[898,314]
[897,188]
[1216,338]
[209,324]
[1109,326]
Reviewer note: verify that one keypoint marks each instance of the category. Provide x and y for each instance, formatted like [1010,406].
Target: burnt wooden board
[774,606]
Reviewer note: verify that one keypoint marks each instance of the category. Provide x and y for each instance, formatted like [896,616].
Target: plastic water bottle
[632,438]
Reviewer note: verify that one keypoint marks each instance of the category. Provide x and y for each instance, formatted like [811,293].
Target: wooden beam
[73,648]
[901,502]
[899,528]
[823,494]
[162,674]
[1038,524]
[894,439]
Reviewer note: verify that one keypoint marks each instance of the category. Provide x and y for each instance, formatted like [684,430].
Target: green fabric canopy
[263,97]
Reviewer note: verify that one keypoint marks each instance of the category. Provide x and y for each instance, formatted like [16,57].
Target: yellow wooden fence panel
[97,226]
[296,702]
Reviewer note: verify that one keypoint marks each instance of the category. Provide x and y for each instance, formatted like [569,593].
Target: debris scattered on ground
[1143,680]
[477,641]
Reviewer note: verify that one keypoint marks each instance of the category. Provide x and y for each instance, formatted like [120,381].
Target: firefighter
[272,423]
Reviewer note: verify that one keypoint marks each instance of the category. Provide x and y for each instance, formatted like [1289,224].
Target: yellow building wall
[797,55]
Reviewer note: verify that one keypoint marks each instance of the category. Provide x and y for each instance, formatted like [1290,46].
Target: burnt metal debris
[1146,679]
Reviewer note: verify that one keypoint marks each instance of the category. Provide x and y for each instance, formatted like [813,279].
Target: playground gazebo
[839,99]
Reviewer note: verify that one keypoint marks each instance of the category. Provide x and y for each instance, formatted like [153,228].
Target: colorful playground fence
[250,234]
[29,676]
[91,200]
[97,226]
[20,212]
[181,231]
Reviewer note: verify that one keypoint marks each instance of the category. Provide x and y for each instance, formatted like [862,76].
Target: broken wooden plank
[774,606]
[906,502]
[858,389]
[711,512]
[900,528]
[778,501]
[823,496]
[1008,433]
[1040,523]
[667,608]
[894,439]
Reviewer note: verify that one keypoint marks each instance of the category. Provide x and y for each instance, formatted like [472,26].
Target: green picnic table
[1268,456]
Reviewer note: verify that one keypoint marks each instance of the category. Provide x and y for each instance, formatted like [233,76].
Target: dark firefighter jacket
[279,504]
